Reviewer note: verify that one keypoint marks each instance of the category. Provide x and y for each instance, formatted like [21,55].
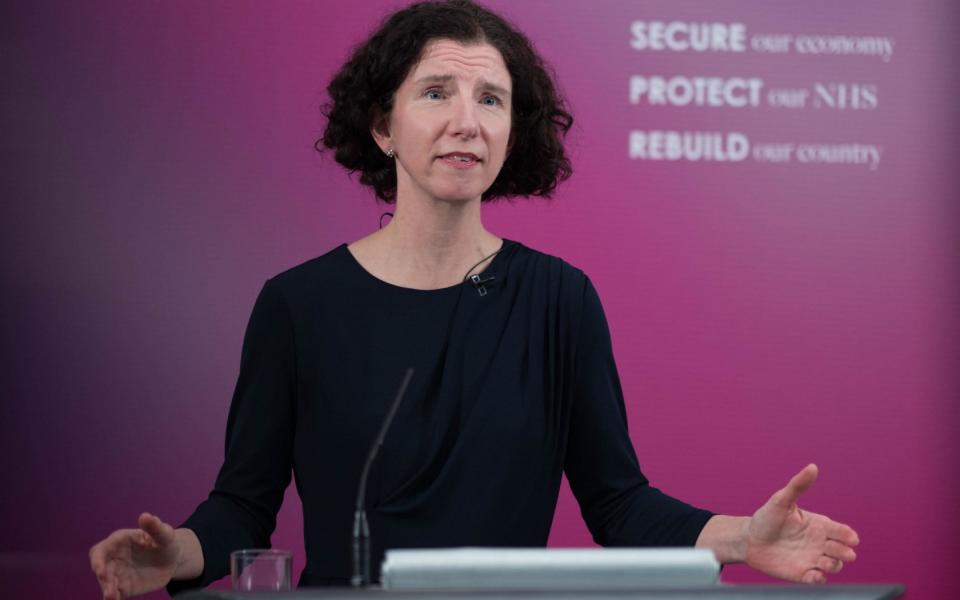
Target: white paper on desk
[554,568]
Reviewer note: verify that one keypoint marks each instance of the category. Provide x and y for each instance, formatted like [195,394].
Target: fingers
[799,484]
[159,532]
[843,533]
[839,551]
[828,564]
[835,554]
[96,558]
[813,576]
[99,565]
[112,590]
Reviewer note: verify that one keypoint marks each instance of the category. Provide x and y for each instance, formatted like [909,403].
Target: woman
[444,107]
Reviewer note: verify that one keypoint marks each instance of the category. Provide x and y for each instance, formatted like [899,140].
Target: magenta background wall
[158,167]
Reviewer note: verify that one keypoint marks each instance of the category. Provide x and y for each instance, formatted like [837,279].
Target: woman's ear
[380,130]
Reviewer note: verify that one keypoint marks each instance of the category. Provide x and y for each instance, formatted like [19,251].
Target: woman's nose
[463,119]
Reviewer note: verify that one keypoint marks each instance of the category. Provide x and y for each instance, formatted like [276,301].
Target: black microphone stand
[361,529]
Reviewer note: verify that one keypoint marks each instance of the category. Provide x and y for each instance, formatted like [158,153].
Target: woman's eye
[434,94]
[491,101]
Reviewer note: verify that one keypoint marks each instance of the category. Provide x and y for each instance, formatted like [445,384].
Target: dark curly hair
[363,90]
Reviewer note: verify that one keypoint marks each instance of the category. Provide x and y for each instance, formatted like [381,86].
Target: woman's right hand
[130,562]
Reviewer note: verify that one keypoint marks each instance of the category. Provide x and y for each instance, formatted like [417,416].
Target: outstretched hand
[797,545]
[134,561]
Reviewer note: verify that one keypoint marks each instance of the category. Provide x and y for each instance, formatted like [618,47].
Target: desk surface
[719,592]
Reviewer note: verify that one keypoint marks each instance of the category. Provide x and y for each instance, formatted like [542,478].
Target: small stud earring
[390,153]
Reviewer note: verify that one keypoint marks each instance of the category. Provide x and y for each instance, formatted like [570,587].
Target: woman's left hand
[783,541]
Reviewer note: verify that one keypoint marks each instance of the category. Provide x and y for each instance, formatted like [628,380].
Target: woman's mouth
[460,160]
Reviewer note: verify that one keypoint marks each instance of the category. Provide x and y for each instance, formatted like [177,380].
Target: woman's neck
[427,246]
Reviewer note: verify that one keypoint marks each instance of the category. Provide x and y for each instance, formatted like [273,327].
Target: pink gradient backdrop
[158,168]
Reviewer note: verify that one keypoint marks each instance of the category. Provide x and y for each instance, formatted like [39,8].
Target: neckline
[494,262]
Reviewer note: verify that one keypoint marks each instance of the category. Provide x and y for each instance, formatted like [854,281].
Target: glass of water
[261,570]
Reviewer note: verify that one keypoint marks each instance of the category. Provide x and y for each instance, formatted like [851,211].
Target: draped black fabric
[510,390]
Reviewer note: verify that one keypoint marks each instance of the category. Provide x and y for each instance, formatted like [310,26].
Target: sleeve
[617,502]
[241,510]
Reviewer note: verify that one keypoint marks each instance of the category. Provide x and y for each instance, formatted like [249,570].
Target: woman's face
[450,123]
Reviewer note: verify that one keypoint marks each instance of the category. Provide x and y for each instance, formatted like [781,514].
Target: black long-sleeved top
[510,390]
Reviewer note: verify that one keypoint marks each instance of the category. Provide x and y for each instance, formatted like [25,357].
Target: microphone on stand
[361,529]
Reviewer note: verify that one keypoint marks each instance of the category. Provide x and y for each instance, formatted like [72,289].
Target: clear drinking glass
[261,570]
